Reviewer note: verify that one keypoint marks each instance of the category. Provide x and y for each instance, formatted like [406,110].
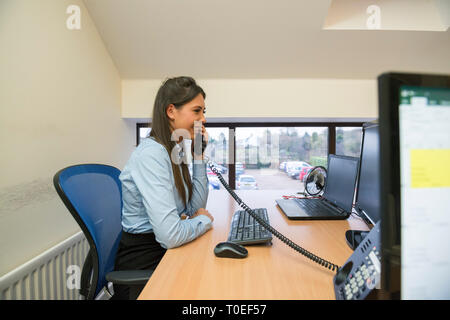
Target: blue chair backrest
[92,193]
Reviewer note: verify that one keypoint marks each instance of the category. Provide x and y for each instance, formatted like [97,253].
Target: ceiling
[252,39]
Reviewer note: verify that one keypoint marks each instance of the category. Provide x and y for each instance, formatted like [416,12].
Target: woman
[157,190]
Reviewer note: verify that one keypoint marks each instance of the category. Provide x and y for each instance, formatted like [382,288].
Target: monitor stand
[355,237]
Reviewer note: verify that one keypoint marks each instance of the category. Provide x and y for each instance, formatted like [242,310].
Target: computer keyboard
[246,230]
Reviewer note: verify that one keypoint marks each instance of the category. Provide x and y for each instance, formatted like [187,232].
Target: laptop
[337,200]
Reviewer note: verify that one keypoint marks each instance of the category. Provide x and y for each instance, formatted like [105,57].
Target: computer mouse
[230,250]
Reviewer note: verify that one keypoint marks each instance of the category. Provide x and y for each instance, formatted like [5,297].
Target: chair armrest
[129,277]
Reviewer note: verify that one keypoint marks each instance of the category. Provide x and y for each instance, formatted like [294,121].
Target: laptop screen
[341,179]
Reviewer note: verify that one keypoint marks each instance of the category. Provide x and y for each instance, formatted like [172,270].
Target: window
[274,155]
[348,141]
[217,151]
[144,132]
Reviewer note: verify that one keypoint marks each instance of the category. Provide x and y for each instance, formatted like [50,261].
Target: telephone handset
[361,272]
[199,144]
[268,227]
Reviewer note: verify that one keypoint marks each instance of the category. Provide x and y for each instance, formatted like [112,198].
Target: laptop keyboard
[314,206]
[246,230]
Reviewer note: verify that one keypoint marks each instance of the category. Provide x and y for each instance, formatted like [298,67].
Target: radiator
[53,275]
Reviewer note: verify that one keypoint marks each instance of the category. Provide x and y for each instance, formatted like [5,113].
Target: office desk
[275,271]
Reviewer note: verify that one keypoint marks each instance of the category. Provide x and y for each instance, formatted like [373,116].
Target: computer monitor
[367,196]
[367,202]
[414,119]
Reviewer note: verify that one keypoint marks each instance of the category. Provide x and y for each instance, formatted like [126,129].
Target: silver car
[246,182]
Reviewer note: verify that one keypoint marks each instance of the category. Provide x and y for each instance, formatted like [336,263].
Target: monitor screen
[414,123]
[424,125]
[368,190]
[341,179]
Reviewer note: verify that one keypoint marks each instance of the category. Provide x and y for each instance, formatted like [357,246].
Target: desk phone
[361,272]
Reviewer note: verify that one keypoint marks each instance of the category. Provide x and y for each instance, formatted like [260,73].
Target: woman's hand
[204,212]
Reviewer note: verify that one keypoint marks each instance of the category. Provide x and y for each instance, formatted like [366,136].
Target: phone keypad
[364,278]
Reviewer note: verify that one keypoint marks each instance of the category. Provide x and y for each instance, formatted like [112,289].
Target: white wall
[266,98]
[60,97]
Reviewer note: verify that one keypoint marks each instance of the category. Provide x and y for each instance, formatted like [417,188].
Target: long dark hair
[177,91]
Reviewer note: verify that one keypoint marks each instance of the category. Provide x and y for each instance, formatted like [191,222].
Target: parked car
[222,169]
[209,172]
[246,182]
[304,173]
[294,168]
[290,165]
[240,169]
[283,166]
[213,182]
[239,172]
[240,165]
[294,172]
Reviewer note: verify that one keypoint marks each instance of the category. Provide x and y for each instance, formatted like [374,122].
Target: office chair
[92,194]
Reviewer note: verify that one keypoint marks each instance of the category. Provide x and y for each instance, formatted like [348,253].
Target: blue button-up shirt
[151,201]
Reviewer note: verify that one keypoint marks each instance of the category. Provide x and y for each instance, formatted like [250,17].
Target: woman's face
[184,117]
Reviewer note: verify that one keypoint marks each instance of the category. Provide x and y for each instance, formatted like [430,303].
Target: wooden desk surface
[275,271]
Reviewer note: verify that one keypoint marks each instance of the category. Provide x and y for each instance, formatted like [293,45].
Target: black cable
[277,234]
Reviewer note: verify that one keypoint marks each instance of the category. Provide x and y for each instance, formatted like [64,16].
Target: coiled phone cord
[277,234]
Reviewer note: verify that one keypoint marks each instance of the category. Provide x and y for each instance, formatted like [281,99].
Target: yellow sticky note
[430,168]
